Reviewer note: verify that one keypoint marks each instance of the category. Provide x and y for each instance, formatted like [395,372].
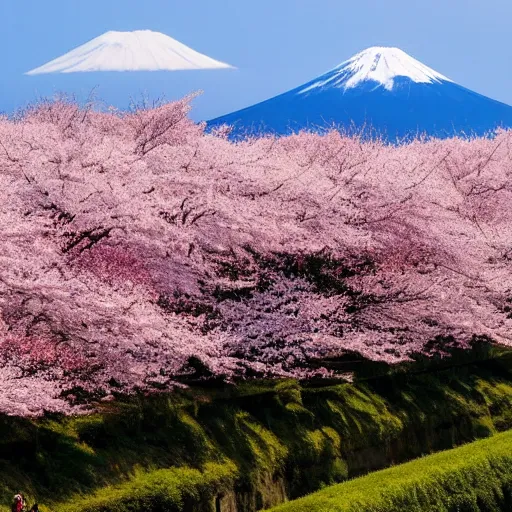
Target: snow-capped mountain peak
[379,92]
[377,64]
[140,50]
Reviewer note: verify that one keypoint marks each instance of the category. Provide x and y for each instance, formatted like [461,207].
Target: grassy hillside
[247,447]
[476,477]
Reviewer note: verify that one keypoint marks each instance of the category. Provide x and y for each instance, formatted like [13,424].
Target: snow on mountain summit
[140,50]
[377,64]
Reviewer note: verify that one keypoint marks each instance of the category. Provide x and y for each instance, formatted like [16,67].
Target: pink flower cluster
[138,252]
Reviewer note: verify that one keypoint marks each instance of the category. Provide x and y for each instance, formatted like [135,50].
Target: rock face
[269,491]
[380,91]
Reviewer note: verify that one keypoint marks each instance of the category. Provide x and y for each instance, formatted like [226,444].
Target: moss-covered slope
[247,447]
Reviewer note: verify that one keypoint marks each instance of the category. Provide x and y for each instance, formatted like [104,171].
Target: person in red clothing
[19,503]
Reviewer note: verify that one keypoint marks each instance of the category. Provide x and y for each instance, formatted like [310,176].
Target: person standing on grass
[35,508]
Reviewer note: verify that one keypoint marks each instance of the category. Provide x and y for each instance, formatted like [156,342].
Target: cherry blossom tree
[138,252]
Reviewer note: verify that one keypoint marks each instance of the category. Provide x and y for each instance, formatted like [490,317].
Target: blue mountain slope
[380,91]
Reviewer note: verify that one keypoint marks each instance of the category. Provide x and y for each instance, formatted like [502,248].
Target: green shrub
[164,489]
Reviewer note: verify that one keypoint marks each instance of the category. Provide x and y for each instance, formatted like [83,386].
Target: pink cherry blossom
[138,252]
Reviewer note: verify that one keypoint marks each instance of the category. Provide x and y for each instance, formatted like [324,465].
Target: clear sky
[275,44]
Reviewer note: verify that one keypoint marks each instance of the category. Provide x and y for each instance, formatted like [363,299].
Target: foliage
[473,478]
[141,254]
[164,489]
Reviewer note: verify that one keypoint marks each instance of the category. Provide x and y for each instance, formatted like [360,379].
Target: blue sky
[275,44]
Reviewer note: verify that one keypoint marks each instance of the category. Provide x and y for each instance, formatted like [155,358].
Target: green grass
[476,477]
[261,441]
[165,489]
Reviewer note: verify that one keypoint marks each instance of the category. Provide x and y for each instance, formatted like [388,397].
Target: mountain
[140,50]
[378,91]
